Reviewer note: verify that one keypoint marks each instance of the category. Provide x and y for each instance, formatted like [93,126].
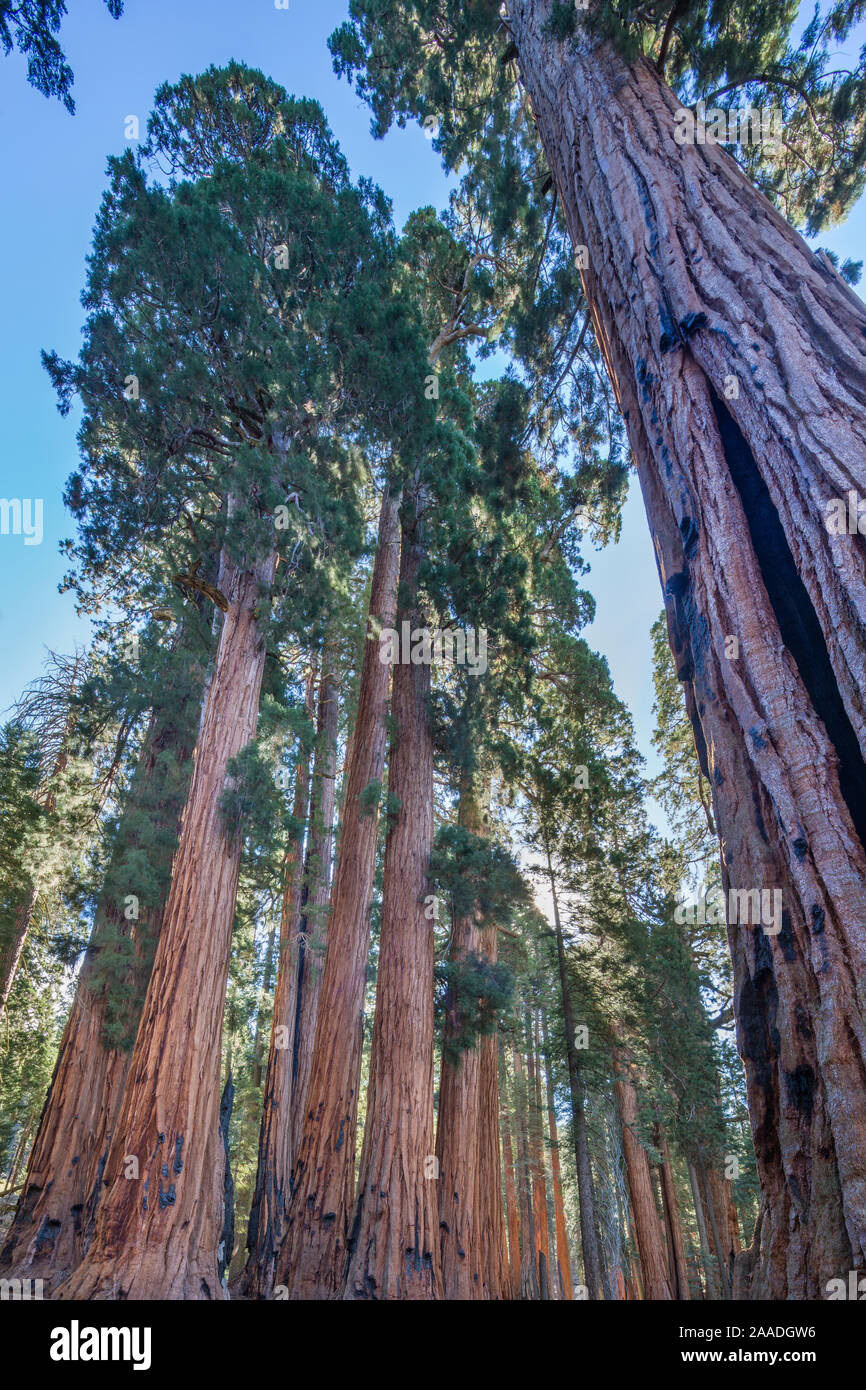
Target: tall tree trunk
[679,1277]
[54,1219]
[495,1280]
[744,392]
[586,1199]
[650,1243]
[710,1272]
[157,1236]
[563,1259]
[267,1220]
[314,919]
[458,1131]
[718,1231]
[536,1155]
[267,981]
[511,1211]
[12,947]
[394,1242]
[528,1288]
[313,1256]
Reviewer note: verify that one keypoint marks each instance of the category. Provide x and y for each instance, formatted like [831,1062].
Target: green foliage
[472,994]
[478,875]
[370,798]
[31,26]
[443,59]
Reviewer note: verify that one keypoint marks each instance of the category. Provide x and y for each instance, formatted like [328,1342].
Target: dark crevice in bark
[798,623]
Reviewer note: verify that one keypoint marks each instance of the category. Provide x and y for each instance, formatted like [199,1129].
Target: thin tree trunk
[511,1211]
[710,1272]
[725,1264]
[653,1257]
[394,1242]
[563,1259]
[267,1220]
[495,1281]
[313,1256]
[586,1200]
[458,1131]
[13,947]
[536,1159]
[157,1236]
[528,1288]
[744,393]
[314,919]
[679,1278]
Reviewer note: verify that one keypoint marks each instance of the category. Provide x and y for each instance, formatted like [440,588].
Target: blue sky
[52,168]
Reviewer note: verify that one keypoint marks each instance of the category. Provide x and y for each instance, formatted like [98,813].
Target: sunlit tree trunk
[274,1168]
[458,1135]
[312,1260]
[394,1240]
[159,1223]
[314,917]
[54,1218]
[562,1265]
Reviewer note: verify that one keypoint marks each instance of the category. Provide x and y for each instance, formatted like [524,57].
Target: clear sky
[52,167]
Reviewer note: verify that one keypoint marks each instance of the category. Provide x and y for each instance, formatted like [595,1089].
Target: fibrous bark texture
[394,1241]
[159,1223]
[313,1257]
[54,1220]
[650,1241]
[739,358]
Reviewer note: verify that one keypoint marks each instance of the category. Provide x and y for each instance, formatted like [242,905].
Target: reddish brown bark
[536,1158]
[678,1273]
[744,394]
[711,1272]
[458,1136]
[394,1243]
[312,1260]
[55,1214]
[314,918]
[511,1212]
[528,1287]
[157,1236]
[495,1280]
[271,1196]
[648,1231]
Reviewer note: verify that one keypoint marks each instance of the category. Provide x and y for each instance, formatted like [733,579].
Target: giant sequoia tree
[246,307]
[739,360]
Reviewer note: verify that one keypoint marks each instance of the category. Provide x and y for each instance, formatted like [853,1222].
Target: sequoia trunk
[458,1130]
[394,1242]
[54,1219]
[312,1261]
[739,358]
[159,1223]
[271,1196]
[586,1199]
[650,1243]
[314,918]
